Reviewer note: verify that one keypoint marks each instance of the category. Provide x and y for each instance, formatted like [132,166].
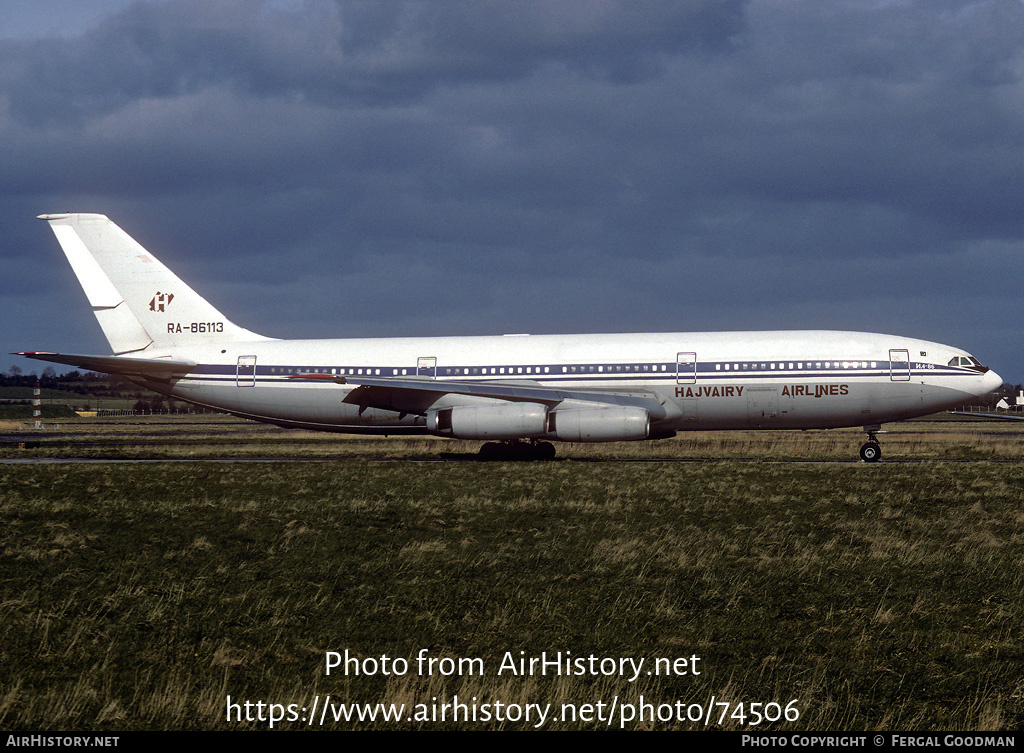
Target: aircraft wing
[1000,416]
[411,395]
[150,368]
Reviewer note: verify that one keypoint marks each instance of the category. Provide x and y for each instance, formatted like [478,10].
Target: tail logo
[161,301]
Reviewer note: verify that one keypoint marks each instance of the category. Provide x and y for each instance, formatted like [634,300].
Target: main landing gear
[516,449]
[871,451]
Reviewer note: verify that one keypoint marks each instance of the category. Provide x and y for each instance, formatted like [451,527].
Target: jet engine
[509,421]
[535,421]
[611,424]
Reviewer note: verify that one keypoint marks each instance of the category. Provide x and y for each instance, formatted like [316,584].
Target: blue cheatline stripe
[707,371]
[711,369]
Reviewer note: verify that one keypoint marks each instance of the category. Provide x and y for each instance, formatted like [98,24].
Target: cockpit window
[969,361]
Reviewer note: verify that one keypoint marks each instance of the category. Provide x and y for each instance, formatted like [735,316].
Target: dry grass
[883,597]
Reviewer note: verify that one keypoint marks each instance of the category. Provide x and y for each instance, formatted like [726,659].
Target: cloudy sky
[335,169]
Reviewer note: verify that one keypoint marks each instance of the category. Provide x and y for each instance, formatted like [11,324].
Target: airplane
[518,393]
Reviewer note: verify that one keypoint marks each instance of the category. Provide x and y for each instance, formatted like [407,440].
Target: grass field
[877,597]
[213,436]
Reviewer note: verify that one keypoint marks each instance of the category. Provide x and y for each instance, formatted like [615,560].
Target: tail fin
[138,301]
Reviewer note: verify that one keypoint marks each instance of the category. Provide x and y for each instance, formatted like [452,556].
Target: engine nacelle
[599,424]
[510,421]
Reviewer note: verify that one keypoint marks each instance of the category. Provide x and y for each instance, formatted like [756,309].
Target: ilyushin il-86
[517,393]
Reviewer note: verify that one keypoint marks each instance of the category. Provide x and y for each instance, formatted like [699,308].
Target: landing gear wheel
[514,449]
[870,452]
[544,451]
[491,451]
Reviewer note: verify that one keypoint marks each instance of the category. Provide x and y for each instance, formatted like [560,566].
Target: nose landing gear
[871,451]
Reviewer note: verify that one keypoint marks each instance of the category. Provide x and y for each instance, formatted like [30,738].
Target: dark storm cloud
[474,167]
[372,52]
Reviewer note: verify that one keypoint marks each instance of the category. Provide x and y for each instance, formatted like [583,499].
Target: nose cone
[990,382]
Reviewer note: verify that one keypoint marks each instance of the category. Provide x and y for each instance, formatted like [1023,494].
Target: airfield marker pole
[37,406]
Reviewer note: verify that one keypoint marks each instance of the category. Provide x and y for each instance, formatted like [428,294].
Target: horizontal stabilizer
[152,368]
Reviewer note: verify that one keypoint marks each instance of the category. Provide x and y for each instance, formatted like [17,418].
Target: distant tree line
[88,384]
[82,382]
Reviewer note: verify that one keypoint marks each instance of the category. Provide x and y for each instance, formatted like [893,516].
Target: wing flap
[997,416]
[416,395]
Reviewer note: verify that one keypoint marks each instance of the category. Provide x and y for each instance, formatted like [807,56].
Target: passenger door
[899,365]
[686,368]
[245,371]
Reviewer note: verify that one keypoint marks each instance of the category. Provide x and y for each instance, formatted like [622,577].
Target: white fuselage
[708,380]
